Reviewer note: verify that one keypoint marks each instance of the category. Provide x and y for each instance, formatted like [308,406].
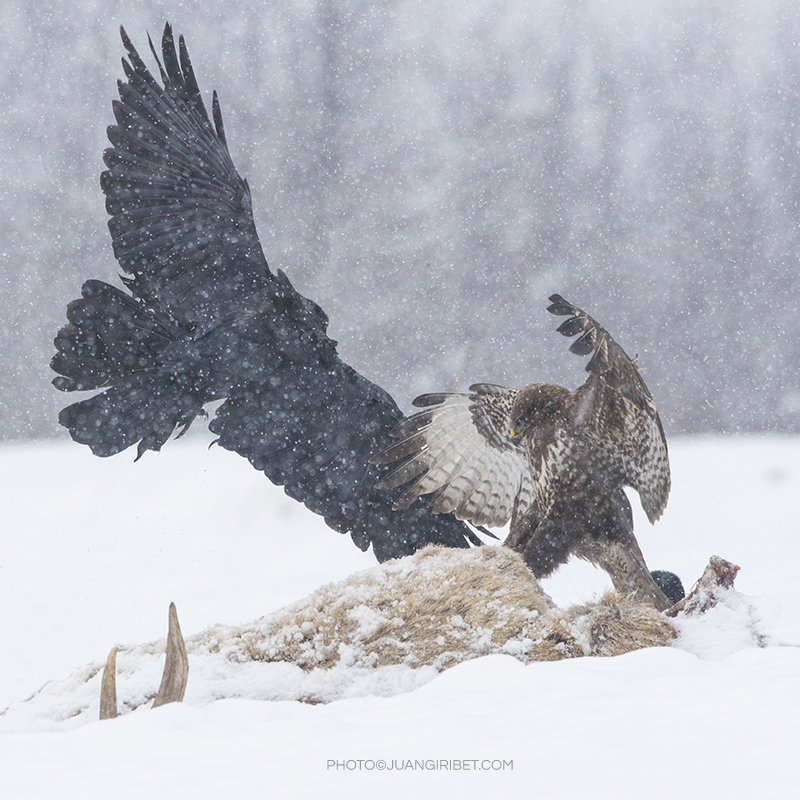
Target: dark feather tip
[582,346]
[559,306]
[572,326]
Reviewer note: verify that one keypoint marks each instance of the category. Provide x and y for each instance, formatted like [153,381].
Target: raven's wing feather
[208,320]
[181,216]
[459,449]
[615,408]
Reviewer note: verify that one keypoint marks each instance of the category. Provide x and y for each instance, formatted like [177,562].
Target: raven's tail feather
[152,385]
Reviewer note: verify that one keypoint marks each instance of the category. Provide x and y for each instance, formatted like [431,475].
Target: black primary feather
[205,319]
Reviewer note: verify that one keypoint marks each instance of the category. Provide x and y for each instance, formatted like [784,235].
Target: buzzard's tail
[118,342]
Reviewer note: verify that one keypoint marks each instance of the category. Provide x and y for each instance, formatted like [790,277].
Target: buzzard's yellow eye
[513,432]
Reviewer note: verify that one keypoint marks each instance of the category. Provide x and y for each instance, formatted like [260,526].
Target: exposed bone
[108,687]
[718,575]
[176,669]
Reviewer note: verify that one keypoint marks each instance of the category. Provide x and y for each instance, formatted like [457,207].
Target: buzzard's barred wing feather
[206,320]
[614,407]
[459,450]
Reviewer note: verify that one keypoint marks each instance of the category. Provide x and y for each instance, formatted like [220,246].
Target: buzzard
[552,461]
[202,318]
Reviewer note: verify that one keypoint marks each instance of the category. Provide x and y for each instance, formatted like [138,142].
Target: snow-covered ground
[94,551]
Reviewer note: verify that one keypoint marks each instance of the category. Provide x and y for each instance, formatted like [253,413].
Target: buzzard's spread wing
[460,449]
[206,319]
[615,409]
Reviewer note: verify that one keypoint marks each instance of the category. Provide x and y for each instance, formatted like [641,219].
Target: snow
[94,550]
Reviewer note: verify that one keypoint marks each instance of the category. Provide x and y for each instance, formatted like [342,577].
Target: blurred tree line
[430,172]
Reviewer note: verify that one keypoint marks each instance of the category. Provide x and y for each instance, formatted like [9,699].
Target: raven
[204,319]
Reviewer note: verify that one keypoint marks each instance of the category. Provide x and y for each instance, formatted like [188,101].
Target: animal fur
[437,608]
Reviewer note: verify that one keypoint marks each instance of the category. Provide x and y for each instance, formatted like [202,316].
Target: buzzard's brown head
[539,406]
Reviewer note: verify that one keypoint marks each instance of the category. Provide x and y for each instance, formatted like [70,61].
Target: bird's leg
[625,565]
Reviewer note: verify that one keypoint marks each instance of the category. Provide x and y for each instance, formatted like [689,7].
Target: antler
[173,680]
[176,669]
[108,687]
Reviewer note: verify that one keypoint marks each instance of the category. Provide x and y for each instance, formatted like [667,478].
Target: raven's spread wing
[181,217]
[461,450]
[206,320]
[614,407]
